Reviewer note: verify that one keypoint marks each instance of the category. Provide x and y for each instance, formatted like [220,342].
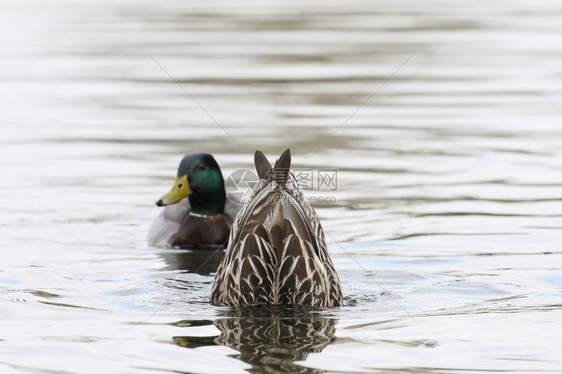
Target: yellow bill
[179,191]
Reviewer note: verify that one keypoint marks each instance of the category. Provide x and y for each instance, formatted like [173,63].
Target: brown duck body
[200,231]
[277,252]
[173,227]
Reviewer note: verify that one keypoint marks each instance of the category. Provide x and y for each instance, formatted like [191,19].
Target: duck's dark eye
[180,185]
[202,166]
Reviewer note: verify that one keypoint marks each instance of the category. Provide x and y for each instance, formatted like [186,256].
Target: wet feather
[277,252]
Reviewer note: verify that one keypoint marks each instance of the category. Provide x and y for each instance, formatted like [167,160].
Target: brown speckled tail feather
[277,252]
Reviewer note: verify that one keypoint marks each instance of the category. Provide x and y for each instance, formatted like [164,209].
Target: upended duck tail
[279,172]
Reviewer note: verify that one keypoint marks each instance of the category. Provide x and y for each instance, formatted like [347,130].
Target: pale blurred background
[442,118]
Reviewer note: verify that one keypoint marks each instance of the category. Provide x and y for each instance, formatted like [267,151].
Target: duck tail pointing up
[279,172]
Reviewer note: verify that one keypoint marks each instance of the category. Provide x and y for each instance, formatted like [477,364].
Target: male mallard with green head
[197,213]
[277,251]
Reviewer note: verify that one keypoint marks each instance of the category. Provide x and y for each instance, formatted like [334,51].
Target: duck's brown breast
[203,231]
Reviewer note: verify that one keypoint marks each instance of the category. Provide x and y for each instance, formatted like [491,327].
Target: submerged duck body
[197,213]
[277,251]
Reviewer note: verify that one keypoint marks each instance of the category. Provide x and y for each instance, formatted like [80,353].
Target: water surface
[442,119]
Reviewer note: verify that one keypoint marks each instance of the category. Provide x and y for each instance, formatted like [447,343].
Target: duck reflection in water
[269,338]
[202,262]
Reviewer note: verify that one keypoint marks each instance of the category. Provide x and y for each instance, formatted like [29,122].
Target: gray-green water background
[449,180]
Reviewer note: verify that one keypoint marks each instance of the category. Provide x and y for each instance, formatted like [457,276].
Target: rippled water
[442,119]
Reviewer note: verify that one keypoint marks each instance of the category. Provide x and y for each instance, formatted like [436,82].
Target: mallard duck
[198,213]
[277,251]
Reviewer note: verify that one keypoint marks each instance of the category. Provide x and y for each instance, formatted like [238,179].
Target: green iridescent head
[200,179]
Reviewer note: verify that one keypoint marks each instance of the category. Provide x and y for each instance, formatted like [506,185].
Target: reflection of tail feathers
[272,345]
[302,336]
[270,338]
